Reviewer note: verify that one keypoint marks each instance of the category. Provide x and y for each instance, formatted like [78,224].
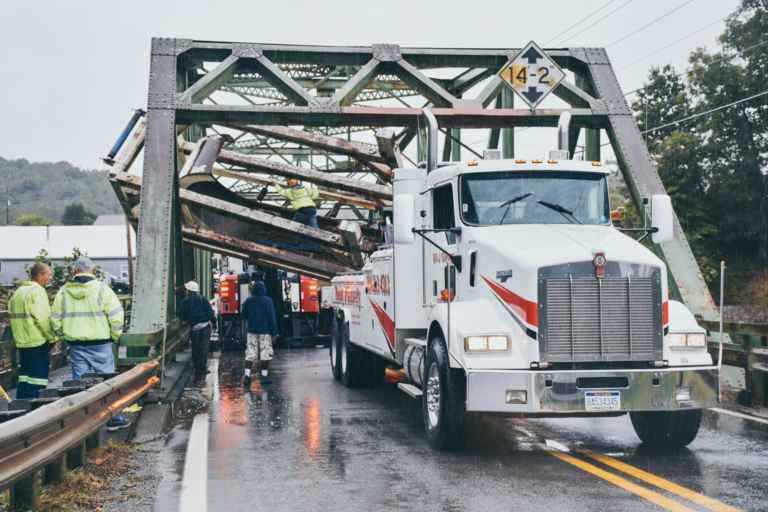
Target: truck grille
[583,319]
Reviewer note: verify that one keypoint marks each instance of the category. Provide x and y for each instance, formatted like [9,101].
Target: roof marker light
[551,161]
[520,161]
[472,163]
[597,164]
[537,161]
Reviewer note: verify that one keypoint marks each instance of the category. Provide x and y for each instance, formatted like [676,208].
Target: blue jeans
[91,358]
[307,216]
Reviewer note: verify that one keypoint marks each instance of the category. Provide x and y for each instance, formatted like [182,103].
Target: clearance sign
[532,74]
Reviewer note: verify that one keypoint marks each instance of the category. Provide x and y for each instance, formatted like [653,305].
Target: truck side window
[442,206]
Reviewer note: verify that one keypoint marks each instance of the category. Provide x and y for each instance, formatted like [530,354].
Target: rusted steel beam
[471,116]
[358,150]
[324,194]
[367,190]
[264,254]
[344,244]
[367,154]
[131,148]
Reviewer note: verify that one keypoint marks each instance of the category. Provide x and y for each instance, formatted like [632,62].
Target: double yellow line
[649,478]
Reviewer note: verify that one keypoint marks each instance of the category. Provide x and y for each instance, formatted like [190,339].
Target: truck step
[419,342]
[410,390]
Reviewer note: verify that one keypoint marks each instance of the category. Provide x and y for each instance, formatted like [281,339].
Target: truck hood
[534,246]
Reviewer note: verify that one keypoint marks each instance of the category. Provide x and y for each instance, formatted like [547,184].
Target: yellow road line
[662,483]
[618,481]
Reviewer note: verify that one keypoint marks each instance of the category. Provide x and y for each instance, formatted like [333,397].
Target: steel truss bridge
[225,119]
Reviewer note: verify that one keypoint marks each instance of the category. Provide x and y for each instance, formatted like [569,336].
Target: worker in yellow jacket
[30,315]
[302,198]
[89,317]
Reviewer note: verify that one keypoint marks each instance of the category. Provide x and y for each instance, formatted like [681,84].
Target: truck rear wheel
[666,429]
[350,360]
[335,347]
[443,400]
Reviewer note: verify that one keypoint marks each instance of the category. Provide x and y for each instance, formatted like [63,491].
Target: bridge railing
[747,348]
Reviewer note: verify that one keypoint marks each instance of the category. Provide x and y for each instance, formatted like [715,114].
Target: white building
[105,244]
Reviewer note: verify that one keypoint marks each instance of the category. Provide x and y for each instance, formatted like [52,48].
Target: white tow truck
[508,290]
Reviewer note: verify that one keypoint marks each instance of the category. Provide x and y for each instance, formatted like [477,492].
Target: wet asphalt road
[306,442]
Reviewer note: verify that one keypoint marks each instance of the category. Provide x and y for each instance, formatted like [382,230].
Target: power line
[585,18]
[673,43]
[650,23]
[627,2]
[705,113]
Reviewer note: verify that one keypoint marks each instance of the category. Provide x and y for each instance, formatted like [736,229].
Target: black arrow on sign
[532,55]
[532,94]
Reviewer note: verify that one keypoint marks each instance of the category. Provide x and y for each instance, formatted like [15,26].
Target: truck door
[441,274]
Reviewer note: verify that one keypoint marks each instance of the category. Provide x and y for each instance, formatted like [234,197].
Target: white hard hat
[192,286]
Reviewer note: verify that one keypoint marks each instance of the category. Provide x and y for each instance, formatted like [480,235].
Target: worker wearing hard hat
[30,315]
[302,198]
[89,317]
[197,312]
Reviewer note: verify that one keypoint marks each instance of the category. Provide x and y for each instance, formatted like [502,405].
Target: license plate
[602,400]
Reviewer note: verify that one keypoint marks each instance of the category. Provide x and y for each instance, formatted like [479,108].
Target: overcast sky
[72,71]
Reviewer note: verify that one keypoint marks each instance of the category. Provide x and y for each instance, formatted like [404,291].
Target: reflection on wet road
[307,443]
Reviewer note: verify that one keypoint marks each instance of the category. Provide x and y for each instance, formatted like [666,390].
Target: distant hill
[46,188]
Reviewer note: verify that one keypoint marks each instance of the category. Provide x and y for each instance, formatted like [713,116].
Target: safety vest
[87,311]
[30,315]
[300,196]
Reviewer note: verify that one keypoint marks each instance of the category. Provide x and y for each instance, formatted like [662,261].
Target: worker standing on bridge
[259,311]
[89,317]
[30,314]
[198,313]
[302,198]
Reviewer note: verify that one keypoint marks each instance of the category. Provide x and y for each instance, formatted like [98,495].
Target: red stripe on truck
[528,311]
[387,324]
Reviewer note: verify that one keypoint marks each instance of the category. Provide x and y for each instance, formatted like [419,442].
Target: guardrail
[55,437]
[747,349]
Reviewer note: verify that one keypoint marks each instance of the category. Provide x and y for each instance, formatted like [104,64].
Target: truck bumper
[566,392]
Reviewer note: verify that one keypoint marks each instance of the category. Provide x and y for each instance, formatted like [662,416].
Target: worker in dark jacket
[259,310]
[198,313]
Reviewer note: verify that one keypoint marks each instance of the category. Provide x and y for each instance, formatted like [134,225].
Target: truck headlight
[691,339]
[486,343]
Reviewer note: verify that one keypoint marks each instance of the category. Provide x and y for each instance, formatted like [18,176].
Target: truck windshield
[535,197]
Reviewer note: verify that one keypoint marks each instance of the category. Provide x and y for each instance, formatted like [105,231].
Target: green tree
[33,219]
[714,166]
[75,214]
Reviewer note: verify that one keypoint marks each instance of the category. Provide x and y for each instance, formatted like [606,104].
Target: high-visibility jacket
[300,196]
[87,310]
[30,315]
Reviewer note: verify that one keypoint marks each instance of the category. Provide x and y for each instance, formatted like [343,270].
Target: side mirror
[661,218]
[402,206]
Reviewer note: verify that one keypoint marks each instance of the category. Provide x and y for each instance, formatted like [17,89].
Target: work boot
[247,380]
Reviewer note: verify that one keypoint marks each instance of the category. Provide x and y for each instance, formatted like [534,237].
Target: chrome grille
[583,318]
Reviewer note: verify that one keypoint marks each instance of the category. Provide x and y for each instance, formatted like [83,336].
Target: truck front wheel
[443,399]
[666,429]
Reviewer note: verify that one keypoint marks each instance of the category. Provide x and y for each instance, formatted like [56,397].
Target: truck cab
[515,293]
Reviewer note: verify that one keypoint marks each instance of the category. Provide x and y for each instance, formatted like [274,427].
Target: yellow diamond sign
[532,74]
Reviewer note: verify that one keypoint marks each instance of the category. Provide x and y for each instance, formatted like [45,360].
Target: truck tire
[335,347]
[350,361]
[666,429]
[443,401]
